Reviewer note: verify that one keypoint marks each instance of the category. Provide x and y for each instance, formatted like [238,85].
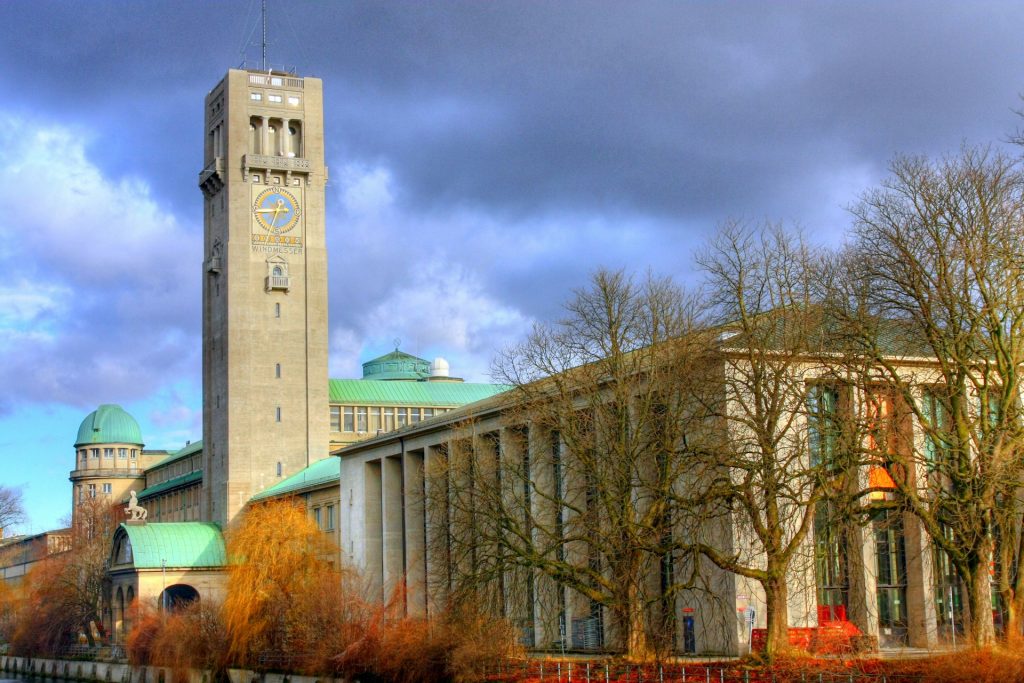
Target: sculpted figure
[136,512]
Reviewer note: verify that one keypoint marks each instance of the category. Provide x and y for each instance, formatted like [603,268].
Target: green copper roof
[189,449]
[396,365]
[373,392]
[321,472]
[109,424]
[171,483]
[188,545]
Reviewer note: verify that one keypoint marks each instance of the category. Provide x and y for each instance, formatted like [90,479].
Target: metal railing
[274,81]
[547,671]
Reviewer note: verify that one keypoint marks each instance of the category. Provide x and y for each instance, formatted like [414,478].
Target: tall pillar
[394,524]
[415,534]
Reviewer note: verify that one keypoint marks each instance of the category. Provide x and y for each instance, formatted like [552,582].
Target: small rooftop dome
[396,365]
[109,424]
[439,368]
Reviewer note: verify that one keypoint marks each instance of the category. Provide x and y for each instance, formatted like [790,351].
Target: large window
[349,425]
[830,565]
[823,426]
[335,418]
[361,419]
[891,574]
[937,439]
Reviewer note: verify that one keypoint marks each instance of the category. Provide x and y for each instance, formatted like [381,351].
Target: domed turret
[109,424]
[396,365]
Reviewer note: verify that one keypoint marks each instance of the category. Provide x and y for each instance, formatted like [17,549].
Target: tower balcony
[277,283]
[211,178]
[275,163]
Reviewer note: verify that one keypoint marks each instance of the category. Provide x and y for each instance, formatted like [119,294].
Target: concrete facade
[264,286]
[392,528]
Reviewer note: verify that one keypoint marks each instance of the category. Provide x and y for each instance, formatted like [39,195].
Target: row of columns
[285,144]
[401,540]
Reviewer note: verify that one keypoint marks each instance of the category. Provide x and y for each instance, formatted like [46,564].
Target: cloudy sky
[484,156]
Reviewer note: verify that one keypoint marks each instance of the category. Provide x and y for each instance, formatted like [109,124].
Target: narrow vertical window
[361,415]
[277,310]
[335,418]
[277,415]
[279,468]
[350,423]
[277,370]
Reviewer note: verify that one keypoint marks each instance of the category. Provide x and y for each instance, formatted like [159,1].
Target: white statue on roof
[136,513]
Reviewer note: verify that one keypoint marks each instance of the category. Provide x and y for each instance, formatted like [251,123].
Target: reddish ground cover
[983,666]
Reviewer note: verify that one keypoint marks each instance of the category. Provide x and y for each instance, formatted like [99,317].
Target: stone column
[264,134]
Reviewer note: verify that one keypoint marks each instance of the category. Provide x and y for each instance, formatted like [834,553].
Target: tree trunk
[981,629]
[776,596]
[638,649]
[1012,627]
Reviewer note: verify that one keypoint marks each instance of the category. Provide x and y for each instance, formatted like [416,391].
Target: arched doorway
[178,596]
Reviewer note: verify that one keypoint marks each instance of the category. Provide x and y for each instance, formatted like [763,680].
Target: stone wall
[107,672]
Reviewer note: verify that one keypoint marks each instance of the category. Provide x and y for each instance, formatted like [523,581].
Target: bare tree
[757,478]
[572,498]
[934,282]
[12,510]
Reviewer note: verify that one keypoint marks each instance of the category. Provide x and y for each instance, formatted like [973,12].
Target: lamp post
[163,593]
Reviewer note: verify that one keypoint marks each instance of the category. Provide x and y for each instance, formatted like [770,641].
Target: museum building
[272,418]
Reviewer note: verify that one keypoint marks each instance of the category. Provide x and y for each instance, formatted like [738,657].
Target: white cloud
[366,191]
[445,310]
[101,288]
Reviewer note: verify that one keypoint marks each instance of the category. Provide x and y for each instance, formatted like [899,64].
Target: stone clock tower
[264,286]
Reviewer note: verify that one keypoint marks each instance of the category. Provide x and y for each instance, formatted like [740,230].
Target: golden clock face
[276,211]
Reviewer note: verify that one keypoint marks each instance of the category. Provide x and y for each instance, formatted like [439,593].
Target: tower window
[122,453]
[293,100]
[277,414]
[277,370]
[277,310]
[279,468]
[95,452]
[274,98]
[256,96]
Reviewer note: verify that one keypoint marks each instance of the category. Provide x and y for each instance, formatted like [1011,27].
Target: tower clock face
[276,211]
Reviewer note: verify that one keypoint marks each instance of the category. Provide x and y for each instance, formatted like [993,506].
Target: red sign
[687,610]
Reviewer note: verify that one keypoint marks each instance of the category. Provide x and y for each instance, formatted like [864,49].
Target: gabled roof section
[173,482]
[189,449]
[182,545]
[370,392]
[320,473]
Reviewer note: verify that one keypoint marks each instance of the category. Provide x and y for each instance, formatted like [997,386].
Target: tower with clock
[264,286]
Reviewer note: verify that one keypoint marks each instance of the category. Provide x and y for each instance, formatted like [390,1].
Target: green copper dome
[109,424]
[396,365]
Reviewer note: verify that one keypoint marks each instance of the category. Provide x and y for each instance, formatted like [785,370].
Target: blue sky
[485,157]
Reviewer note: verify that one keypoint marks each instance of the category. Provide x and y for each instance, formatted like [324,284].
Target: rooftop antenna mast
[264,5]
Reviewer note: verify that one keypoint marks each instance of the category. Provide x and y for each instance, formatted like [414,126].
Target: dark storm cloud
[524,142]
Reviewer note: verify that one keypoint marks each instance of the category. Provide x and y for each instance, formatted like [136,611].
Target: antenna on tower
[264,67]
